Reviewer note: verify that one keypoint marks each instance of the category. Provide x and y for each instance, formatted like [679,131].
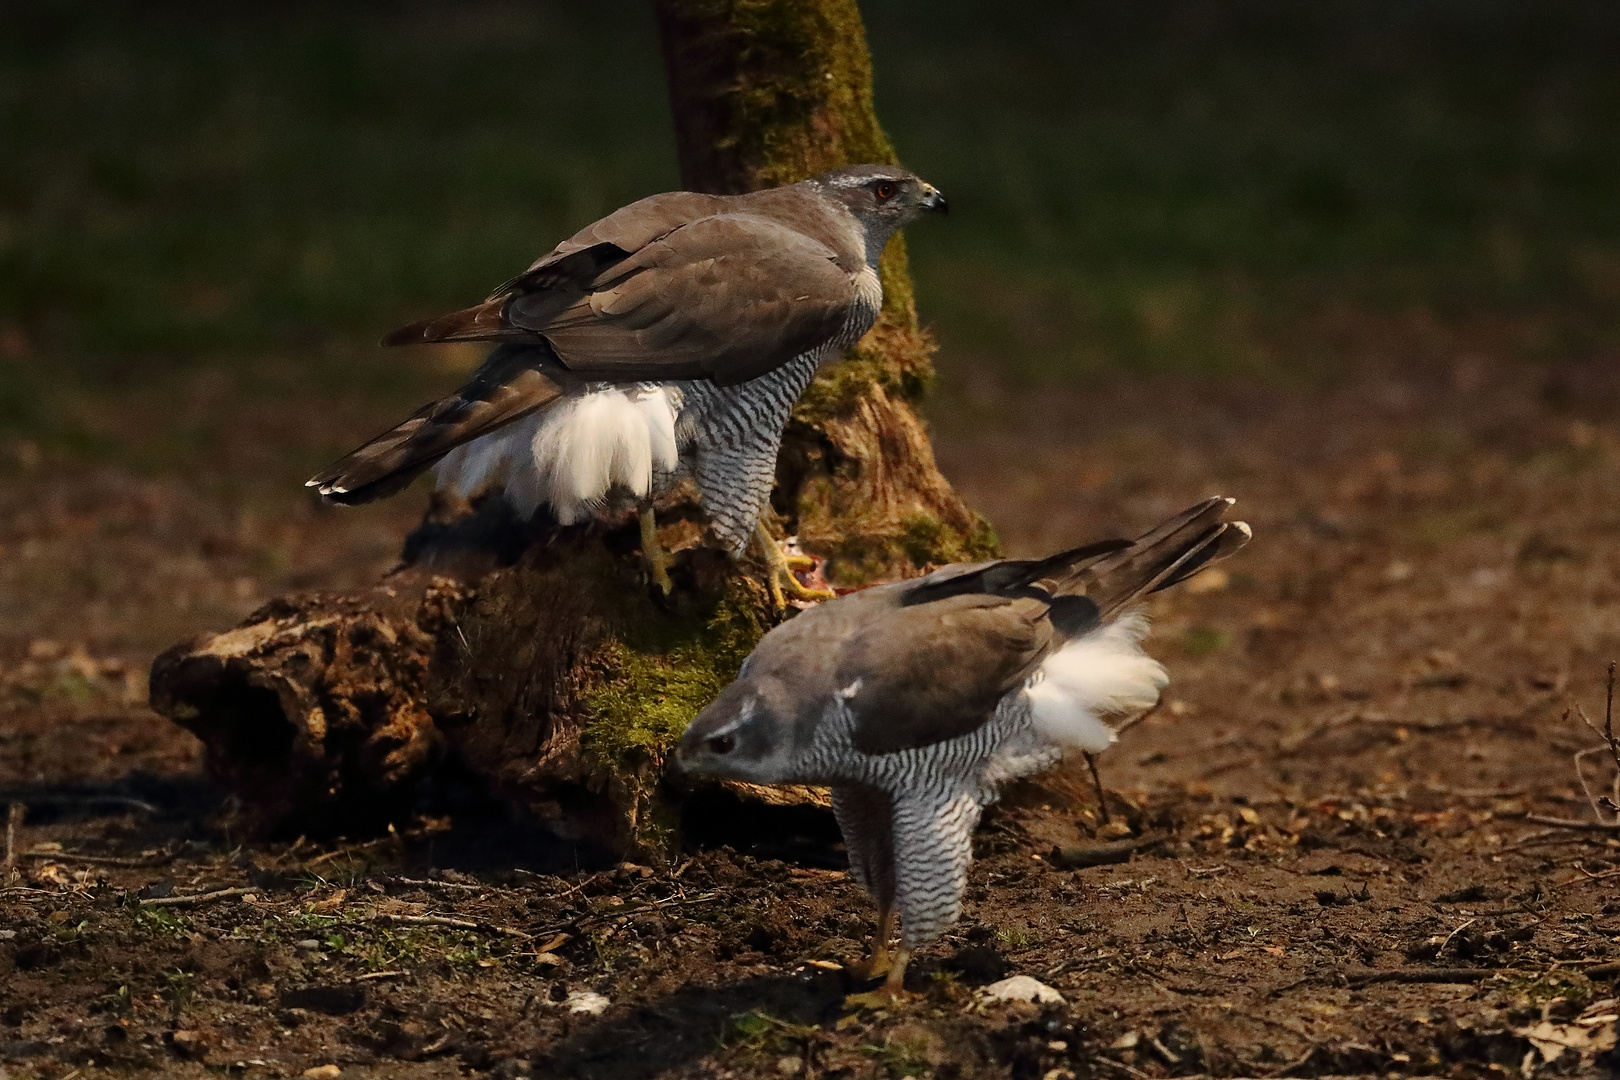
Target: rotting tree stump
[532,655]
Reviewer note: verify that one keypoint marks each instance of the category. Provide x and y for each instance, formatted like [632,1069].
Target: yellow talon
[891,993]
[881,962]
[779,570]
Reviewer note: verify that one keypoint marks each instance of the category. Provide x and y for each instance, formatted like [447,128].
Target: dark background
[1356,264]
[1229,187]
[209,215]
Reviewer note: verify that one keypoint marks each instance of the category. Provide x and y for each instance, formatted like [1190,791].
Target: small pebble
[308,945]
[587,1002]
[1022,988]
[323,1072]
[190,1043]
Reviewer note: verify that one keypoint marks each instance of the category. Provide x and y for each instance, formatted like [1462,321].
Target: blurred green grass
[1253,186]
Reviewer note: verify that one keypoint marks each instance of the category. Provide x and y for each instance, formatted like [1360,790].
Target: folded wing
[934,666]
[726,297]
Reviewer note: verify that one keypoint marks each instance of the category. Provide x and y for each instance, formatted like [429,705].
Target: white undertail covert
[1101,674]
[573,455]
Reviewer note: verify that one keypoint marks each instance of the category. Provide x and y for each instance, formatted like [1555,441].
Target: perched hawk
[915,700]
[674,334]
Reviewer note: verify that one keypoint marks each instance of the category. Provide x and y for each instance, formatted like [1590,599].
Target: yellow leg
[895,985]
[880,962]
[780,579]
[657,558]
[893,990]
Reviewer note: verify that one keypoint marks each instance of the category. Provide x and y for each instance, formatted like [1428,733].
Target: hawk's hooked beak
[934,199]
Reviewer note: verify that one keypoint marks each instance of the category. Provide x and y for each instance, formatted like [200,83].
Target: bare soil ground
[1342,850]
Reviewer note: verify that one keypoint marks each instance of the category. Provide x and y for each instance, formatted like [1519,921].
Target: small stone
[307,945]
[790,1065]
[323,1072]
[190,1043]
[1022,988]
[586,1002]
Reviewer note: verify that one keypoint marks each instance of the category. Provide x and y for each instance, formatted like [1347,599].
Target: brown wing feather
[728,298]
[510,384]
[481,322]
[936,671]
[1171,552]
[935,665]
[628,229]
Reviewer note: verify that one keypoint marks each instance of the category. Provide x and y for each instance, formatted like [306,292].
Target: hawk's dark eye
[886,189]
[722,744]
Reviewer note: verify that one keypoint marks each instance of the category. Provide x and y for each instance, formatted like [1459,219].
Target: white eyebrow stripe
[744,714]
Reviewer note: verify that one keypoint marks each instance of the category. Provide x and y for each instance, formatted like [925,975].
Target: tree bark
[531,655]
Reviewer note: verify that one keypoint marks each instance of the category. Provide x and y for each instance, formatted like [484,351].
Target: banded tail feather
[1167,555]
[508,386]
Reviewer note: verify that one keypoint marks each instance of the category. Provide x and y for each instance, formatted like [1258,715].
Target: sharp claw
[873,967]
[783,581]
[888,996]
[881,998]
[783,585]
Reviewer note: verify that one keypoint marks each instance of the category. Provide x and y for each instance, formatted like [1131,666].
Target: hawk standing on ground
[674,334]
[914,700]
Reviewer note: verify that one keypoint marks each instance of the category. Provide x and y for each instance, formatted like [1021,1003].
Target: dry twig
[625,912]
[447,921]
[1421,975]
[429,883]
[352,850]
[1611,744]
[1118,851]
[1572,823]
[1587,875]
[196,898]
[1441,950]
[95,860]
[14,816]
[1356,716]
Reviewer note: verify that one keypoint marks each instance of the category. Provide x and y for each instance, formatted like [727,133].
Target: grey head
[761,728]
[883,198]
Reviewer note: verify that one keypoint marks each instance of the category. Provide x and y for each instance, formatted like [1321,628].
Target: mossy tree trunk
[769,92]
[531,656]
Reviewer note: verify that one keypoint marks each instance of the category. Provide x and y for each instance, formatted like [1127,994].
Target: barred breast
[735,432]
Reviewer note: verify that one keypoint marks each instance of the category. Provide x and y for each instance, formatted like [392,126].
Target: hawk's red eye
[886,189]
[722,744]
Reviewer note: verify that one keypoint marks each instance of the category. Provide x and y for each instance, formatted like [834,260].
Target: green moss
[926,539]
[802,103]
[921,540]
[802,62]
[659,674]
